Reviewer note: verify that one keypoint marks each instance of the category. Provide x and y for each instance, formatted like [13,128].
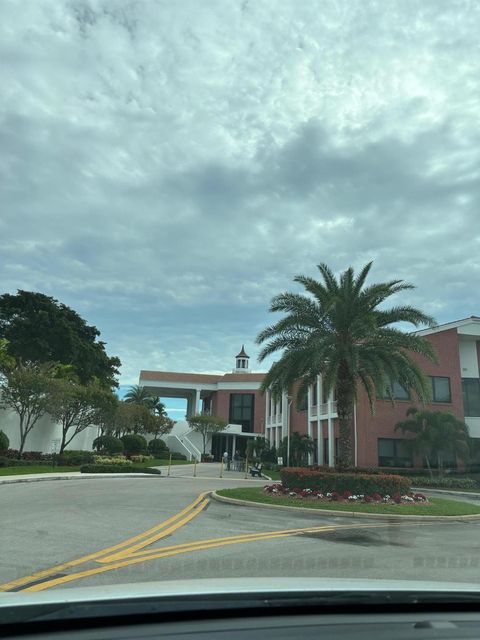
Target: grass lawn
[274,475]
[20,471]
[436,507]
[159,463]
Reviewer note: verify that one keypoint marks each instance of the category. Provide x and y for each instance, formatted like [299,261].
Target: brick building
[236,397]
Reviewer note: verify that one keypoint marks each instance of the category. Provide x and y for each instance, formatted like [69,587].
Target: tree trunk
[23,434]
[345,404]
[428,466]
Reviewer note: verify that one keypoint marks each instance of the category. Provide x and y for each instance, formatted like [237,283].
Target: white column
[331,434]
[319,424]
[309,417]
[267,393]
[284,411]
[234,445]
[197,401]
[189,407]
[355,433]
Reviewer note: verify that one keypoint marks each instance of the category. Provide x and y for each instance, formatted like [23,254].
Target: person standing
[236,461]
[226,461]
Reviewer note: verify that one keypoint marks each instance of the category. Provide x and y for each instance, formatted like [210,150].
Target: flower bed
[357,483]
[346,496]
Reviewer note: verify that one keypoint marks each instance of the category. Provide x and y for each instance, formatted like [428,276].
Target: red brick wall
[221,406]
[381,425]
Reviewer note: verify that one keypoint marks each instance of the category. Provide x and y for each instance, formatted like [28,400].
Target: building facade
[455,381]
[236,397]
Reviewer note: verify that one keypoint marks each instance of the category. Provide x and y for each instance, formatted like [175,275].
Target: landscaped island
[324,488]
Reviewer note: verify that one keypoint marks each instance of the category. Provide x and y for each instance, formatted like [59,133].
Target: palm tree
[340,332]
[301,446]
[138,395]
[436,433]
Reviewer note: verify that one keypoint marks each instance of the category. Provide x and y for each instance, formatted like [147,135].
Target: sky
[167,167]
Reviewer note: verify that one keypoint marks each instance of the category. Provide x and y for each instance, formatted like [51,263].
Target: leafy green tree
[143,397]
[76,407]
[158,425]
[27,389]
[206,426]
[343,331]
[437,433]
[4,441]
[40,329]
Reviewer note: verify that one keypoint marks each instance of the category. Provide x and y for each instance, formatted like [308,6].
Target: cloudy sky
[166,167]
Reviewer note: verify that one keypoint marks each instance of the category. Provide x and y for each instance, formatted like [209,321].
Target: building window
[396,391]
[441,389]
[241,410]
[471,397]
[304,404]
[393,453]
[314,394]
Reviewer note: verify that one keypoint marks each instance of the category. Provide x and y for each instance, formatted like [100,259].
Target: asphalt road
[50,524]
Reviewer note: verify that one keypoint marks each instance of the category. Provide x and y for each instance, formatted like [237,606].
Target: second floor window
[471,397]
[241,410]
[440,389]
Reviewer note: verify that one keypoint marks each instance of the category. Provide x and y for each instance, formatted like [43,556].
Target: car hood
[205,588]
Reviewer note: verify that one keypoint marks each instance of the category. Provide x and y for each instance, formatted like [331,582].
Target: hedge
[301,478]
[117,468]
[12,462]
[165,455]
[445,483]
[71,457]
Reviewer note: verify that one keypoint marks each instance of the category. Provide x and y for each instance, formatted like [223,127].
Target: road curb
[448,492]
[342,514]
[83,476]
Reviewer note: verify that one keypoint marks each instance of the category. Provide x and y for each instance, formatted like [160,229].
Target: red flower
[377,497]
[346,495]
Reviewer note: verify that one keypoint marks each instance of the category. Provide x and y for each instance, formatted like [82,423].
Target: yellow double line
[133,551]
[119,550]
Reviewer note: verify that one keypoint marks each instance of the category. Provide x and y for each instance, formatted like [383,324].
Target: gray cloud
[167,168]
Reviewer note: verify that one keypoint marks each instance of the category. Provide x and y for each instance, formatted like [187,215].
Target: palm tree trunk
[345,404]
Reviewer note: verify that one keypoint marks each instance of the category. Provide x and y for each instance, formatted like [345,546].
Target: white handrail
[183,445]
[195,451]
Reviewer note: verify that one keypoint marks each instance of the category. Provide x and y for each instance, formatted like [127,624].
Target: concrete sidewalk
[210,470]
[71,475]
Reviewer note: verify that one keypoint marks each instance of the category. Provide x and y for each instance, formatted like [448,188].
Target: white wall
[473,425]
[44,433]
[468,358]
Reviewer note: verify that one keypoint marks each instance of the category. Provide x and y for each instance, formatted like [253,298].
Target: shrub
[157,446]
[206,457]
[133,444]
[12,462]
[4,441]
[141,458]
[108,444]
[445,483]
[178,456]
[116,460]
[33,455]
[73,458]
[300,478]
[116,468]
